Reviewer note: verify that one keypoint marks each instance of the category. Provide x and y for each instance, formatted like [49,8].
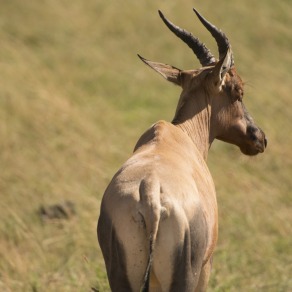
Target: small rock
[64,210]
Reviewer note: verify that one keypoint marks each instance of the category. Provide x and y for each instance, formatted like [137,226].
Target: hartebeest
[158,221]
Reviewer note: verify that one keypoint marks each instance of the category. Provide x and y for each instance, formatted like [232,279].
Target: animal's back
[159,192]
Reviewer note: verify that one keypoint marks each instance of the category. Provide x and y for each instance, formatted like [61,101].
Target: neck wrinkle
[196,125]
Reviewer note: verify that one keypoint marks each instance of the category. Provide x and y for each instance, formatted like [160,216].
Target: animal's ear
[170,73]
[222,67]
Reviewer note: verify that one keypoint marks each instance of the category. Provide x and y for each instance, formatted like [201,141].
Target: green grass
[74,98]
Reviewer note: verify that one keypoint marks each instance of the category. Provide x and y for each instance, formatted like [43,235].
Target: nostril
[266,142]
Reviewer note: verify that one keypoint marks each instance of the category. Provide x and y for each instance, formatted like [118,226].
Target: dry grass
[74,99]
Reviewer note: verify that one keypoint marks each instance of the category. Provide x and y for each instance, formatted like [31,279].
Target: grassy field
[74,98]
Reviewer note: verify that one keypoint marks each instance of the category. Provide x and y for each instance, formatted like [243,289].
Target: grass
[74,99]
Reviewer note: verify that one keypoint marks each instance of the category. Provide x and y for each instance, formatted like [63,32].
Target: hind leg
[178,255]
[113,253]
[204,277]
[136,247]
[125,249]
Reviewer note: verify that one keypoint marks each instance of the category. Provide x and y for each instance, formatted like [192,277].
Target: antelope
[158,222]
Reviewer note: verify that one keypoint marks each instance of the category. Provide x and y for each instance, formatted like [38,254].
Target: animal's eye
[239,93]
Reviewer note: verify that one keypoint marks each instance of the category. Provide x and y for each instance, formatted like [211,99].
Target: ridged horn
[201,51]
[220,37]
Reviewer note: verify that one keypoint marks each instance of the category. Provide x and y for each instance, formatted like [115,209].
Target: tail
[145,286]
[151,210]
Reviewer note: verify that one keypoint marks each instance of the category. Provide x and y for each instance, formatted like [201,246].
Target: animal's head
[217,86]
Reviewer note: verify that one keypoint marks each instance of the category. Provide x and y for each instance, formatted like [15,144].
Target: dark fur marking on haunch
[190,253]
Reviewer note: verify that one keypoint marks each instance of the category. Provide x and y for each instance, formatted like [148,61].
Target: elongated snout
[256,141]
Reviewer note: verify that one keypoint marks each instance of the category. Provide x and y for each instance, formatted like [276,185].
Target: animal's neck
[193,118]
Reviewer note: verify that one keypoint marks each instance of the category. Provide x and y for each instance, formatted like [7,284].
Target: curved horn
[220,37]
[201,51]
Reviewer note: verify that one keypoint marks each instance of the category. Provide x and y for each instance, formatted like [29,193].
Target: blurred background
[74,99]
